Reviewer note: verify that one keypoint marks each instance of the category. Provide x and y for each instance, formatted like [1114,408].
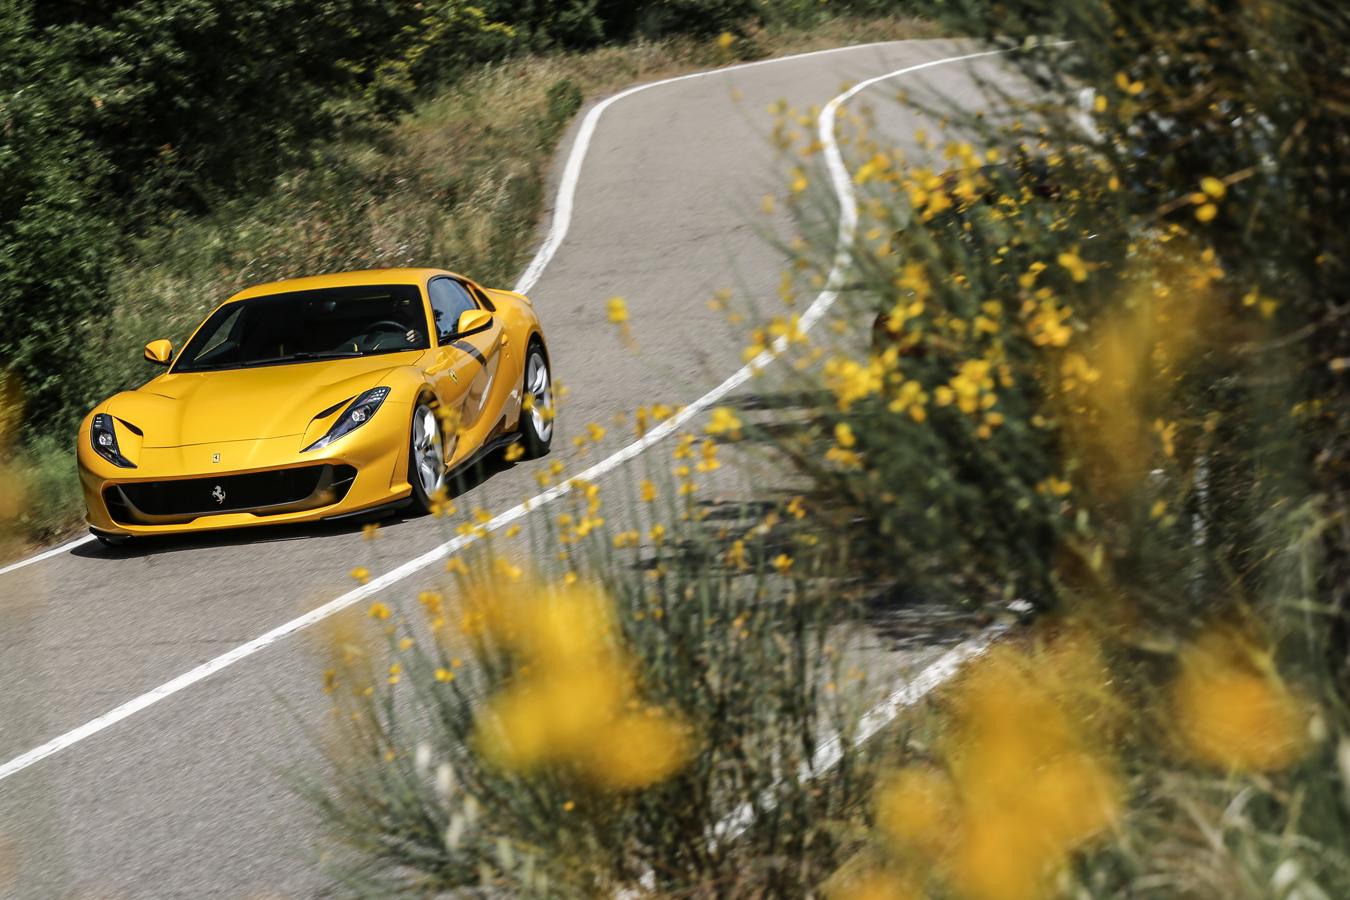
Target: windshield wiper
[271,361]
[301,357]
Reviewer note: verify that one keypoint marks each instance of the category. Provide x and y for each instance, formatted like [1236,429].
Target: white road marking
[843,188]
[47,554]
[831,752]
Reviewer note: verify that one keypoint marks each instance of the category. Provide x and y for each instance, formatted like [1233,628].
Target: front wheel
[426,458]
[536,423]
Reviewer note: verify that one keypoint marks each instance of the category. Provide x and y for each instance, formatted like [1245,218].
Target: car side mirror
[159,352]
[472,320]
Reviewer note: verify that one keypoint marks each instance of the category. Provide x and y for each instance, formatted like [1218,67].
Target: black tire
[536,425]
[426,457]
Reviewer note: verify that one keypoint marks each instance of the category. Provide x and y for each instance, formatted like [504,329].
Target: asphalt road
[187,797]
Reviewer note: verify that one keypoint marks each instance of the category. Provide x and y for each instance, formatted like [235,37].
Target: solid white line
[567,189]
[843,188]
[831,752]
[46,554]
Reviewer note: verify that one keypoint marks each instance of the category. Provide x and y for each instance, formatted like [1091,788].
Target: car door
[466,365]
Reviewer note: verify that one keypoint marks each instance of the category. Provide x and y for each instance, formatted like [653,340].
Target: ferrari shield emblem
[215,457]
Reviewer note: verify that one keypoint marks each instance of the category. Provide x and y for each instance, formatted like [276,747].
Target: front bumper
[238,484]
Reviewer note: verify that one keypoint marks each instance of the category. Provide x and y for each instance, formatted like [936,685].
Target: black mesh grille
[284,490]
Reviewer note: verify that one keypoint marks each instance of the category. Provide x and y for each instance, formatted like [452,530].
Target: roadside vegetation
[143,178]
[1090,360]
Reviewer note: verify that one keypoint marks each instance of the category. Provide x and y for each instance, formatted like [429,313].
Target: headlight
[356,415]
[104,438]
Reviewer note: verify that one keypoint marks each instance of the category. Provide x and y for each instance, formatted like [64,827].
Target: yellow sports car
[319,398]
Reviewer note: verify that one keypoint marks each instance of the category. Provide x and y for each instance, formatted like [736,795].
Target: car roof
[339,279]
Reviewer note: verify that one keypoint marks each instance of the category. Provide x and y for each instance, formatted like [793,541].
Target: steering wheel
[383,327]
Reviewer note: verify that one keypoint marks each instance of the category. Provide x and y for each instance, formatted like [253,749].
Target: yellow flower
[736,555]
[795,508]
[843,435]
[444,675]
[537,720]
[1213,187]
[1028,279]
[455,566]
[916,808]
[515,452]
[1047,324]
[595,432]
[1026,787]
[1133,88]
[503,567]
[724,421]
[1078,269]
[725,40]
[637,750]
[848,459]
[1057,487]
[851,381]
[1206,212]
[1232,712]
[379,611]
[405,643]
[370,530]
[394,672]
[618,310]
[647,490]
[1001,857]
[573,701]
[708,452]
[782,563]
[361,574]
[971,385]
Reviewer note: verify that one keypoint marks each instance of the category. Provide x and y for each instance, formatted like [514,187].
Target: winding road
[153,700]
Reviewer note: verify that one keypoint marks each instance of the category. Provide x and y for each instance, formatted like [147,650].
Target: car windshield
[308,325]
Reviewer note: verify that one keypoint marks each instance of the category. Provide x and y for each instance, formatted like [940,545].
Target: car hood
[181,409]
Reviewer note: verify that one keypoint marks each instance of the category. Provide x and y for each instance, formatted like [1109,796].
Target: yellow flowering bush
[574,701]
[1027,780]
[1231,709]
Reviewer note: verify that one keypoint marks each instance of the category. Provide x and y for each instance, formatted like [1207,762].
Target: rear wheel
[536,423]
[426,457]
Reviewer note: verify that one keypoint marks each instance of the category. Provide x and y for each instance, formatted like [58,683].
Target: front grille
[263,493]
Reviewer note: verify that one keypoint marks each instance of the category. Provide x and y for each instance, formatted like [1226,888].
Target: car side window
[449,300]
